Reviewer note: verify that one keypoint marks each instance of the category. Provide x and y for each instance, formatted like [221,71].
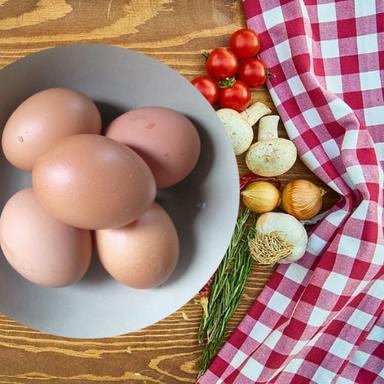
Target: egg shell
[92,182]
[142,254]
[167,141]
[39,247]
[43,120]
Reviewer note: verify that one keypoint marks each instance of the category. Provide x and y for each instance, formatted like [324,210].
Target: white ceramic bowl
[204,206]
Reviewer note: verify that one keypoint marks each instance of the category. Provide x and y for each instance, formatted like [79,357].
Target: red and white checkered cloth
[321,320]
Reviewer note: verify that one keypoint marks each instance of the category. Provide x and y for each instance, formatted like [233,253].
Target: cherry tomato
[245,43]
[237,97]
[253,72]
[222,63]
[208,88]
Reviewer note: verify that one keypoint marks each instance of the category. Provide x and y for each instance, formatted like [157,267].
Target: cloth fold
[320,320]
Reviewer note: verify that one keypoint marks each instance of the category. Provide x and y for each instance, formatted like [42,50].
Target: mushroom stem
[252,114]
[270,156]
[268,128]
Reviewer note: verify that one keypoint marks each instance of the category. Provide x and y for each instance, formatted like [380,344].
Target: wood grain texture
[174,32]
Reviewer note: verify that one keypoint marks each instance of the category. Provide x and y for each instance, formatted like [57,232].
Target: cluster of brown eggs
[84,181]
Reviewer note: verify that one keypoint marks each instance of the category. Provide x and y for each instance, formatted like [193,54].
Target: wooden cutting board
[174,32]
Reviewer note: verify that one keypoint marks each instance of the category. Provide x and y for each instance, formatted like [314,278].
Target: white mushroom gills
[239,125]
[271,155]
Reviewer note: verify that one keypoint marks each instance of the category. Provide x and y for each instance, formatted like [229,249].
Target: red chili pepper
[204,292]
[249,177]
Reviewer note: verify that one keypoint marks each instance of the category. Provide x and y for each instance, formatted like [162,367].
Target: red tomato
[222,63]
[253,72]
[208,88]
[237,97]
[245,43]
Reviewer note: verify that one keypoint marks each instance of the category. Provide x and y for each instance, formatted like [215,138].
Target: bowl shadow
[184,202]
[96,273]
[108,112]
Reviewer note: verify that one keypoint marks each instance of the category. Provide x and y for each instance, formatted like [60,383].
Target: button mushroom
[271,155]
[239,125]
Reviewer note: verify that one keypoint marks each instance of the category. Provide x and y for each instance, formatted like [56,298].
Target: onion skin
[302,199]
[261,196]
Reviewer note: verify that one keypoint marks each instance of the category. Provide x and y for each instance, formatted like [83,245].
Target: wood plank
[174,32]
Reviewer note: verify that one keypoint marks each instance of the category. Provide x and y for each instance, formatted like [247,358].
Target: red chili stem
[249,177]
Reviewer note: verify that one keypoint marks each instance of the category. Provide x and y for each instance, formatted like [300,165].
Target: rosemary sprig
[226,289]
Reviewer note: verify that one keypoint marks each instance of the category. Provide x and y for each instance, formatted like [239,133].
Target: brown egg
[39,247]
[43,120]
[142,254]
[165,139]
[92,182]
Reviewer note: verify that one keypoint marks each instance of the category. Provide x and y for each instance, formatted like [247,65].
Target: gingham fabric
[321,320]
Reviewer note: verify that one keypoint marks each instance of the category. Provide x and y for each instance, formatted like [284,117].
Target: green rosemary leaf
[226,289]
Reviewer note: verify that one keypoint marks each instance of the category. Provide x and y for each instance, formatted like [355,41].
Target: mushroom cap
[271,157]
[240,133]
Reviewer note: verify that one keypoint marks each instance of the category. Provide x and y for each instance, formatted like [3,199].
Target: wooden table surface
[174,32]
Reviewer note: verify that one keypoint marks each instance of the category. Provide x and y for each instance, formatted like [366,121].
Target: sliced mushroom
[271,155]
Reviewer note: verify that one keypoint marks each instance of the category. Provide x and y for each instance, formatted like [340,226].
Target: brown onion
[302,199]
[261,196]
